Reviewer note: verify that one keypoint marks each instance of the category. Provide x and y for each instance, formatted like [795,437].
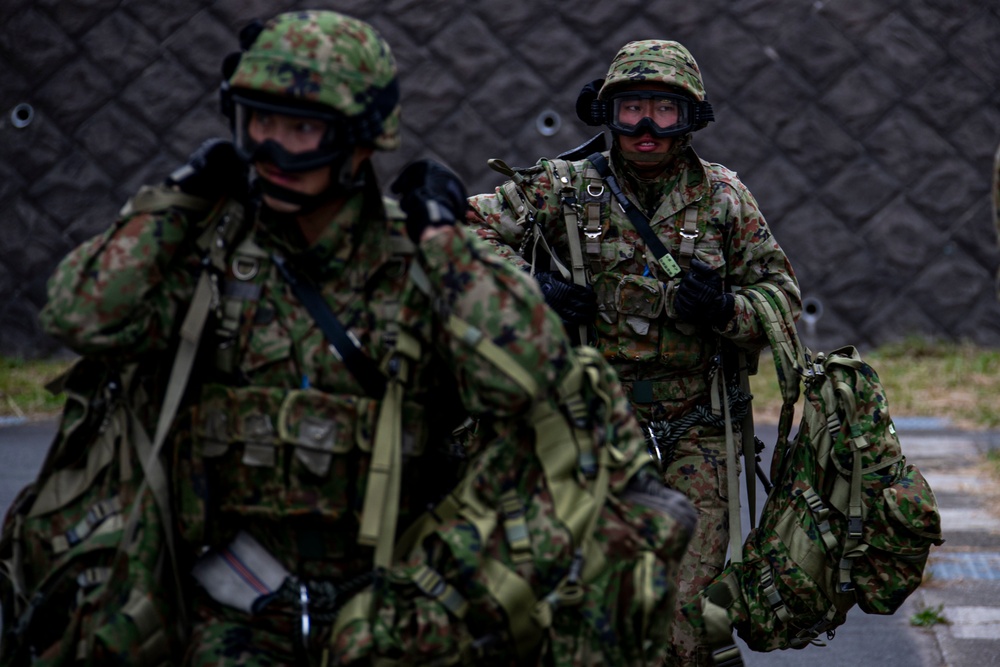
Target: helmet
[654,61]
[319,65]
[620,102]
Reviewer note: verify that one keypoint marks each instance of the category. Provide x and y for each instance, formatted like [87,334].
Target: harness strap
[568,198]
[636,217]
[593,198]
[689,234]
[380,512]
[342,341]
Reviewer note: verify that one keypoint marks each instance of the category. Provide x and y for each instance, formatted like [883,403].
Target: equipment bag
[559,545]
[88,571]
[848,521]
[83,550]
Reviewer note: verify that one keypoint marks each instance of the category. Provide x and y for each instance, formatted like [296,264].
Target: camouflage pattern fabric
[324,58]
[609,616]
[654,60]
[636,328]
[119,295]
[77,584]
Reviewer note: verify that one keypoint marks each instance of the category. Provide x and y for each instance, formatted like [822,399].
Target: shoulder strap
[636,217]
[362,367]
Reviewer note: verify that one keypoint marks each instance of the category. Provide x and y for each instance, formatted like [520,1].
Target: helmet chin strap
[342,184]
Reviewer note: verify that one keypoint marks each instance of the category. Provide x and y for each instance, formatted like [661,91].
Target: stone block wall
[865,128]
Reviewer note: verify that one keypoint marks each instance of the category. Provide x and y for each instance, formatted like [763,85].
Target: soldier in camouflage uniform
[660,328]
[270,454]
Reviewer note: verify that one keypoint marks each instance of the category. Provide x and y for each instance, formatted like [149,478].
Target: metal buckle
[304,604]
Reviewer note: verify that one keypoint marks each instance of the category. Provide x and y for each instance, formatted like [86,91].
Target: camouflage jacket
[636,328]
[269,376]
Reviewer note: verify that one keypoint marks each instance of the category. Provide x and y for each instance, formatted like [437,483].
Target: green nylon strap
[558,456]
[515,527]
[381,506]
[821,514]
[568,198]
[732,473]
[433,585]
[515,596]
[500,358]
[689,234]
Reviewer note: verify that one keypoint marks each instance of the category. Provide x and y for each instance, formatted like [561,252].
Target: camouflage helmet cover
[658,61]
[326,58]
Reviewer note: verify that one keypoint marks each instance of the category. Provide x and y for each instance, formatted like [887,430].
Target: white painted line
[973,622]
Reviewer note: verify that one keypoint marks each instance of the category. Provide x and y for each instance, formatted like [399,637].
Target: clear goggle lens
[293,139]
[658,113]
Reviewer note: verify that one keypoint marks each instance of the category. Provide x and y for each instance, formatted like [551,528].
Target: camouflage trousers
[697,468]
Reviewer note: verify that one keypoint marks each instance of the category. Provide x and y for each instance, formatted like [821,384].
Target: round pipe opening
[22,115]
[548,123]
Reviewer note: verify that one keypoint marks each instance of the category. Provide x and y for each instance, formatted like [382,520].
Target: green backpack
[848,521]
[558,546]
[83,552]
[88,571]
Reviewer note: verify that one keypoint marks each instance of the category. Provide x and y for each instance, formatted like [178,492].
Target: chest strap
[641,223]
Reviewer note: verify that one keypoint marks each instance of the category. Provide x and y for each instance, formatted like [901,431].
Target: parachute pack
[848,521]
[559,542]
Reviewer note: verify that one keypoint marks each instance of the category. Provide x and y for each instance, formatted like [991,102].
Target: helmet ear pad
[589,108]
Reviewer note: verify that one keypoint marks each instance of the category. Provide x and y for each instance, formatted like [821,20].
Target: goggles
[310,138]
[658,113]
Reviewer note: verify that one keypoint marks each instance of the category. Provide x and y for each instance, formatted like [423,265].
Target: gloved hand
[700,298]
[575,304]
[431,195]
[213,170]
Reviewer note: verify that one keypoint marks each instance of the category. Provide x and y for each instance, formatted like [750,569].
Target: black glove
[700,298]
[575,304]
[213,170]
[431,195]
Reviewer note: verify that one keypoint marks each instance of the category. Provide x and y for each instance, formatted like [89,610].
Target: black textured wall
[865,128]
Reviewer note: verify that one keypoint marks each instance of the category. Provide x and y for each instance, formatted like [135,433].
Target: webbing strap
[515,527]
[514,594]
[689,234]
[771,593]
[732,473]
[567,196]
[433,585]
[104,514]
[380,512]
[821,514]
[636,217]
[593,227]
[360,365]
[493,353]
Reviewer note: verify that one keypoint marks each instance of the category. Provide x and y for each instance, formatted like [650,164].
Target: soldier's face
[646,143]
